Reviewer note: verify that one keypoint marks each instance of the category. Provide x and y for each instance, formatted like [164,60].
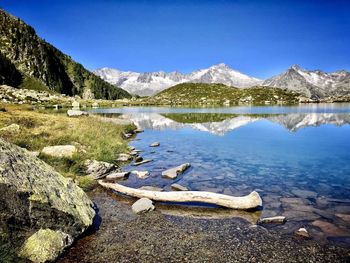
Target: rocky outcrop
[34,196]
[47,66]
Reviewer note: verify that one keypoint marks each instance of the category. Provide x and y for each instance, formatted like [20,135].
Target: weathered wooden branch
[250,201]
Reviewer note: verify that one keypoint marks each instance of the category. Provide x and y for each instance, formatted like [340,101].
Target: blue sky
[259,38]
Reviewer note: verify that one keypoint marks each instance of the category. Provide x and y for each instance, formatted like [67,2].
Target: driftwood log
[246,202]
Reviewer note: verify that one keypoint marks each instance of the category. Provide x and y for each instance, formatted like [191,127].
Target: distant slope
[36,59]
[313,84]
[219,94]
[149,83]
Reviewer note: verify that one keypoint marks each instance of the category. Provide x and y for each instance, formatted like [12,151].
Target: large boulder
[34,196]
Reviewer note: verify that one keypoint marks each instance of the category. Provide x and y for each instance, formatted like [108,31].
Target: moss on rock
[45,245]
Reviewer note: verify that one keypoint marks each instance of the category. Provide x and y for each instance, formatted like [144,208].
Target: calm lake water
[297,158]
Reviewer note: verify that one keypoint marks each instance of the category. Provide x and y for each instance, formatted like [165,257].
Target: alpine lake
[296,157]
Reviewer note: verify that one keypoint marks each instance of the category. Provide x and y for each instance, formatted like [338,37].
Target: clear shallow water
[299,161]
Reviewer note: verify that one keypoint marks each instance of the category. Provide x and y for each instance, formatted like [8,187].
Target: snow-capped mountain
[313,84]
[150,83]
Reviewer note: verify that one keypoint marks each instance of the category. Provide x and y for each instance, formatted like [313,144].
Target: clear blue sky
[260,38]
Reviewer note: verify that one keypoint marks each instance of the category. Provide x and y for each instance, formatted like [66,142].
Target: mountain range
[28,61]
[314,84]
[150,83]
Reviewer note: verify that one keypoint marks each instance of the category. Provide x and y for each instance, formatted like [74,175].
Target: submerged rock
[172,173]
[273,220]
[330,229]
[60,151]
[304,193]
[151,188]
[142,205]
[178,187]
[141,174]
[45,245]
[142,162]
[34,196]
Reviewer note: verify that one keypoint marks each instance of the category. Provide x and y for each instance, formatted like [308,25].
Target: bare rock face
[34,196]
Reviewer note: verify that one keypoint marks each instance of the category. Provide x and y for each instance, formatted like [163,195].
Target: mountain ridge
[314,84]
[150,83]
[22,50]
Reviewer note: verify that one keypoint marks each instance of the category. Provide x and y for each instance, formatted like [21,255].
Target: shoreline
[155,237]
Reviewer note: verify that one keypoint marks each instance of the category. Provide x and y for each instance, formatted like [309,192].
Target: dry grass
[97,140]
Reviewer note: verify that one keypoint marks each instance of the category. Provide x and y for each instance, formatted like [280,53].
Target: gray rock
[138,159]
[13,128]
[124,157]
[134,153]
[178,187]
[60,151]
[274,220]
[155,144]
[138,130]
[34,196]
[302,232]
[142,205]
[117,176]
[98,169]
[76,113]
[45,245]
[142,162]
[151,188]
[172,173]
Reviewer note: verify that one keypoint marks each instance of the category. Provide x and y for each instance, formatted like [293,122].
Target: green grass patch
[94,138]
